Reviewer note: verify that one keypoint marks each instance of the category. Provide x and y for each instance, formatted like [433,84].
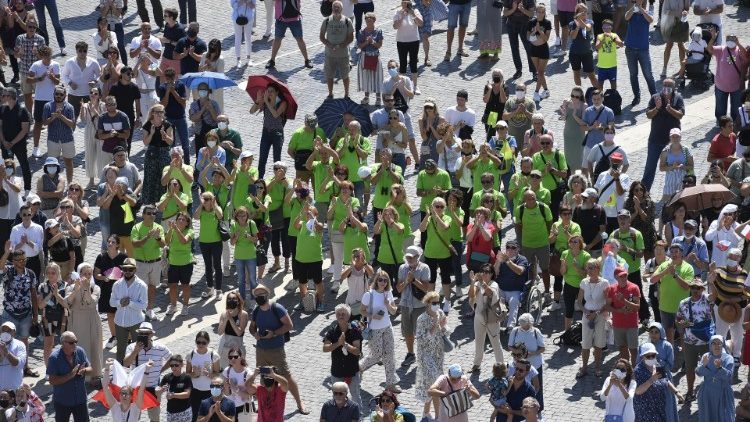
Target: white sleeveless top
[237,384]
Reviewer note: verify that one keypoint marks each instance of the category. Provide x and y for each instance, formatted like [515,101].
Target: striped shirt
[158,353]
[28,55]
[57,131]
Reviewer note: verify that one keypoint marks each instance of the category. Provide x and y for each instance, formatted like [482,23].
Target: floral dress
[429,355]
[651,405]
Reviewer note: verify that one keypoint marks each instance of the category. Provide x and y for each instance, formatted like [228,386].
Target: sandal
[447,57]
[427,63]
[581,373]
[276,267]
[303,411]
[463,53]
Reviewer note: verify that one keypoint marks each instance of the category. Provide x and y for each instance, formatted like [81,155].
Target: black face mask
[232,304]
[4,403]
[497,80]
[261,300]
[269,382]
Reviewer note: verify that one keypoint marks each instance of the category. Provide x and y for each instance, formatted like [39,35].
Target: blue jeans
[268,139]
[180,126]
[250,266]
[51,6]
[652,159]
[399,159]
[635,57]
[721,103]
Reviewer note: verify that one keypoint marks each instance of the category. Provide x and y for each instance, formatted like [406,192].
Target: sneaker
[330,270]
[555,306]
[319,308]
[208,293]
[537,97]
[36,153]
[459,291]
[446,306]
[63,52]
[239,62]
[171,310]
[292,285]
[517,75]
[184,310]
[150,313]
[271,64]
[417,91]
[635,101]
[219,295]
[335,286]
[308,64]
[409,359]
[559,53]
[163,285]
[544,94]
[112,342]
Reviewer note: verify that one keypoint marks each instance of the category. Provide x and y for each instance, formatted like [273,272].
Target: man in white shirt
[147,52]
[78,74]
[130,297]
[29,238]
[709,11]
[141,351]
[604,149]
[613,188]
[44,74]
[12,357]
[461,117]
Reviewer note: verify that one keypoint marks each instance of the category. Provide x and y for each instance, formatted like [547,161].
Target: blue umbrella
[214,80]
[330,115]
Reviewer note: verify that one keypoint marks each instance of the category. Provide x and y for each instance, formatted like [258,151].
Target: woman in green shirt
[295,204]
[209,214]
[244,234]
[391,233]
[277,188]
[257,207]
[309,253]
[172,202]
[455,232]
[355,235]
[401,204]
[179,237]
[561,231]
[338,211]
[438,250]
[573,268]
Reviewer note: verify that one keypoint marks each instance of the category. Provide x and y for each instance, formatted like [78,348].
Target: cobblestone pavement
[566,399]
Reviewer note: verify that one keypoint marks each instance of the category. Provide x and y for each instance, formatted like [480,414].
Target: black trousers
[188,11]
[19,152]
[158,12]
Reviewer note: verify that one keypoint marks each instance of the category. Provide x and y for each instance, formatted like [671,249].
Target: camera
[262,333]
[142,338]
[615,167]
[265,370]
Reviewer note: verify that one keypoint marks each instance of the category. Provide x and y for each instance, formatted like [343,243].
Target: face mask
[731,44]
[609,136]
[435,308]
[696,37]
[650,362]
[393,72]
[211,144]
[268,382]
[51,170]
[520,95]
[191,33]
[619,374]
[688,237]
[203,93]
[526,173]
[215,391]
[4,403]
[261,300]
[232,304]
[9,171]
[497,79]
[223,125]
[667,90]
[732,262]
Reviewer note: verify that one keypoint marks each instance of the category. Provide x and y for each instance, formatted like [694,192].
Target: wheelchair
[532,299]
[700,73]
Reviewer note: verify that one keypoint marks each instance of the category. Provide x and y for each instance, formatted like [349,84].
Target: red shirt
[270,406]
[630,293]
[479,244]
[723,146]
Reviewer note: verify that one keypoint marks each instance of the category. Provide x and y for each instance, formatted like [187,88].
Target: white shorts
[65,150]
[585,163]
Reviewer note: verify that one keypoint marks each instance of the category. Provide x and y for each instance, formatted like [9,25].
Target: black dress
[105,263]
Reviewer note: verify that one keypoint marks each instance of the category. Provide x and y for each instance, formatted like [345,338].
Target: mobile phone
[143,339]
[252,189]
[660,370]
[381,312]
[265,370]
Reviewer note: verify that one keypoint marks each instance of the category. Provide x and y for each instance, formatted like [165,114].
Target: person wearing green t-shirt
[177,169]
[301,145]
[295,200]
[244,236]
[431,182]
[573,269]
[388,256]
[339,210]
[561,231]
[533,223]
[606,47]
[209,214]
[353,150]
[179,237]
[674,277]
[383,176]
[520,181]
[488,181]
[241,178]
[355,236]
[551,163]
[631,250]
[257,206]
[277,188]
[218,186]
[309,253]
[229,139]
[542,194]
[148,241]
[455,233]
[172,202]
[321,163]
[438,249]
[400,202]
[484,162]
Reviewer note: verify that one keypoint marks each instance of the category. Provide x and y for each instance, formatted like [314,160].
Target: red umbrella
[259,83]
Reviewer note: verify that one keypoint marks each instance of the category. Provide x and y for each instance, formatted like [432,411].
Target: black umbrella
[331,115]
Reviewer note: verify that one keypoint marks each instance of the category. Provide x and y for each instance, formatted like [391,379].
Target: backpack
[326,8]
[571,337]
[603,164]
[613,100]
[276,313]
[541,205]
[289,9]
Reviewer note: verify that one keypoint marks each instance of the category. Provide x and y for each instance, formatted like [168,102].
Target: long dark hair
[242,357]
[214,49]
[628,371]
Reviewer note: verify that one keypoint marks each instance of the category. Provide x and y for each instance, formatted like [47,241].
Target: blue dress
[651,405]
[665,359]
[715,397]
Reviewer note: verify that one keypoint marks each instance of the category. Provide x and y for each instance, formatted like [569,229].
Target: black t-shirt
[173,34]
[590,220]
[663,122]
[156,140]
[545,26]
[117,224]
[177,384]
[344,366]
[12,119]
[60,250]
[187,63]
[518,17]
[104,262]
[173,109]
[126,96]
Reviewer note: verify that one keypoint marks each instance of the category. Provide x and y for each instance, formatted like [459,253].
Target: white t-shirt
[45,89]
[697,49]
[237,384]
[378,304]
[153,43]
[101,50]
[449,155]
[158,353]
[454,116]
[465,180]
[714,18]
[595,294]
[609,199]
[24,416]
[596,154]
[408,31]
[133,414]
[204,361]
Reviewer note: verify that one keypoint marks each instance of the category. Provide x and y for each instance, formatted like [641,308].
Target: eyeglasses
[72,341]
[201,343]
[386,400]
[512,248]
[232,357]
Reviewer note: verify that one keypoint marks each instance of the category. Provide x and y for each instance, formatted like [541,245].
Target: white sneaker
[219,295]
[112,342]
[171,310]
[150,314]
[335,286]
[292,286]
[555,306]
[459,292]
[63,52]
[417,91]
[36,153]
[544,94]
[537,97]
[446,306]
[208,293]
[163,285]
[239,62]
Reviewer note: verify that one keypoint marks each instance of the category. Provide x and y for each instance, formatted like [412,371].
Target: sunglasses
[75,189]
[175,365]
[65,207]
[513,248]
[536,176]
[233,357]
[149,213]
[386,400]
[439,207]
[217,386]
[383,280]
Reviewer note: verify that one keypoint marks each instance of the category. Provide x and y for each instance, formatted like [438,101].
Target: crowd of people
[503,205]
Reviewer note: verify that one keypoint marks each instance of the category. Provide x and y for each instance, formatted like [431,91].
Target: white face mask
[619,374]
[667,90]
[697,37]
[609,136]
[731,44]
[520,95]
[732,262]
[52,170]
[211,144]
[650,362]
[223,125]
[435,308]
[203,93]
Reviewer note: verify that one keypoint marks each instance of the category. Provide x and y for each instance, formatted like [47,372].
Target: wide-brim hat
[729,311]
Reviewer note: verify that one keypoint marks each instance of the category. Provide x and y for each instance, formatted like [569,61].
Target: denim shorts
[456,10]
[23,325]
[294,26]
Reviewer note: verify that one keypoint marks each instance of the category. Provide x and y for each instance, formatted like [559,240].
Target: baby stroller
[700,73]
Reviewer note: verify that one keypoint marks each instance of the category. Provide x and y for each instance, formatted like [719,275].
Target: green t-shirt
[302,140]
[349,158]
[441,179]
[383,187]
[234,137]
[482,166]
[557,159]
[277,193]
[389,239]
[340,209]
[454,231]
[241,185]
[404,217]
[294,209]
[435,248]
[520,182]
[171,208]
[151,249]
[534,233]
[320,179]
[542,194]
[476,199]
[221,194]
[255,211]
[633,240]
[355,238]
[245,248]
[309,245]
[184,182]
[607,52]
[561,243]
[209,230]
[181,253]
[571,276]
[670,293]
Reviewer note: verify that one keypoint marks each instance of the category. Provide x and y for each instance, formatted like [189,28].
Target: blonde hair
[153,109]
[430,296]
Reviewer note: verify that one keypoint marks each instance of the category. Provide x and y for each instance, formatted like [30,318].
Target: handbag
[616,418]
[242,19]
[555,264]
[479,257]
[457,401]
[223,229]
[369,62]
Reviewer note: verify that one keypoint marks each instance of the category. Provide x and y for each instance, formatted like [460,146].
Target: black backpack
[613,100]
[571,337]
[603,164]
[326,8]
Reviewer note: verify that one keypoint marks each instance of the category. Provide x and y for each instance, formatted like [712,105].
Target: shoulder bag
[595,119]
[390,244]
[616,418]
[276,217]
[446,244]
[457,401]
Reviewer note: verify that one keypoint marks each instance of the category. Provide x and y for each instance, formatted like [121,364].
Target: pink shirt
[566,5]
[443,385]
[727,78]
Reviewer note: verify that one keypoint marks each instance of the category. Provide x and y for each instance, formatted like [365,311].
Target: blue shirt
[515,399]
[509,280]
[73,392]
[637,35]
[269,320]
[227,408]
[57,131]
[606,118]
[379,119]
[581,44]
[696,245]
